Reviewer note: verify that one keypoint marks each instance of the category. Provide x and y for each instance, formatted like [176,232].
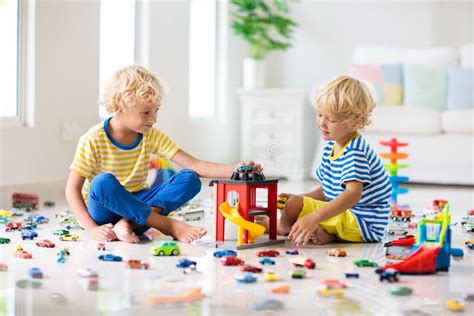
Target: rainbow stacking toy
[393,167]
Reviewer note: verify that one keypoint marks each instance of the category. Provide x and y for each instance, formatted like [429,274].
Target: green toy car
[166,248]
[61,232]
[4,240]
[400,290]
[298,274]
[365,263]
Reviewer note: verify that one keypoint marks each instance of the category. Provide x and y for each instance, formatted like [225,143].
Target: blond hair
[348,98]
[129,85]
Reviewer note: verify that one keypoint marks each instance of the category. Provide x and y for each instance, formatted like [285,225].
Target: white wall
[67,56]
[67,70]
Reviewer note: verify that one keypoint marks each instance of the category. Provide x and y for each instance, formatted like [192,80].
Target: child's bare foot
[264,221]
[124,231]
[320,237]
[184,232]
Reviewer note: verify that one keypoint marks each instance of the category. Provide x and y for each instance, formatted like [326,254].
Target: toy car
[35,273]
[4,220]
[65,251]
[85,273]
[352,275]
[68,221]
[391,275]
[300,262]
[48,204]
[28,201]
[23,254]
[28,234]
[298,274]
[185,263]
[281,202]
[40,219]
[268,304]
[3,266]
[166,248]
[28,284]
[223,253]
[4,240]
[454,305]
[109,257]
[400,290]
[469,244]
[250,268]
[30,226]
[266,261]
[365,263]
[61,232]
[334,284]
[16,225]
[270,276]
[137,264]
[337,293]
[337,252]
[232,261]
[69,237]
[267,253]
[5,213]
[292,252]
[101,246]
[45,243]
[246,277]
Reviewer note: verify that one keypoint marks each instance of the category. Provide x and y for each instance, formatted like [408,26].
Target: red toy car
[309,264]
[14,226]
[137,264]
[232,261]
[101,246]
[22,254]
[25,200]
[250,268]
[45,243]
[337,252]
[267,253]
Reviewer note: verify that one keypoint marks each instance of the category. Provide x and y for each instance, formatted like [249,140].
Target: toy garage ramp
[233,215]
[422,261]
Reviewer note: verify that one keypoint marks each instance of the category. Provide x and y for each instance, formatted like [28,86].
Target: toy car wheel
[174,252]
[161,253]
[61,238]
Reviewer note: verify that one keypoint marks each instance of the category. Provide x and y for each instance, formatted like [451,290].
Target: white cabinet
[272,130]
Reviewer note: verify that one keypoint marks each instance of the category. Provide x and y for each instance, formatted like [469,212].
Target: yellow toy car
[5,213]
[69,238]
[337,293]
[454,305]
[270,276]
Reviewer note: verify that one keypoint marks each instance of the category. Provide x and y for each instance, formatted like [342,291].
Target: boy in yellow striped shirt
[107,187]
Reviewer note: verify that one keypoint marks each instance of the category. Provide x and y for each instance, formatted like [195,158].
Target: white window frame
[202,59]
[105,74]
[25,68]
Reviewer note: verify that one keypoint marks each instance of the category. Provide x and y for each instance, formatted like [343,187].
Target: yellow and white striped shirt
[97,152]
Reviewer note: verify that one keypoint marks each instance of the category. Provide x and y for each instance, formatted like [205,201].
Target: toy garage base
[232,244]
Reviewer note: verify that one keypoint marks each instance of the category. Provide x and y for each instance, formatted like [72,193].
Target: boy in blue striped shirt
[353,202]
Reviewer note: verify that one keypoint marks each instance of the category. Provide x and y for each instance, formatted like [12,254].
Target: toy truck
[27,201]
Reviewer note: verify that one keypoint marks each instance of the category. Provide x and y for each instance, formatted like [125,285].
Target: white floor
[123,291]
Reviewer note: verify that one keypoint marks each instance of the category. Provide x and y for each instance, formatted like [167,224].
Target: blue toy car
[247,277]
[184,263]
[352,275]
[28,234]
[30,226]
[35,273]
[391,275]
[40,219]
[110,257]
[223,253]
[266,261]
[292,252]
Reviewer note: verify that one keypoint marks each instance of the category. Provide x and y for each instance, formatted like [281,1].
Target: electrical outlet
[70,131]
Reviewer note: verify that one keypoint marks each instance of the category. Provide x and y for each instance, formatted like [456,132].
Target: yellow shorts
[344,225]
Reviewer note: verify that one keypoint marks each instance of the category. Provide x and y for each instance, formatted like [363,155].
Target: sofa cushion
[425,86]
[384,80]
[458,121]
[443,57]
[405,120]
[467,56]
[460,88]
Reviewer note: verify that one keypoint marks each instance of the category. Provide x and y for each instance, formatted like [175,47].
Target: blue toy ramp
[398,179]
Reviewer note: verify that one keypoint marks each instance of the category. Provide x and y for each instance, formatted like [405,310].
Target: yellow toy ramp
[233,215]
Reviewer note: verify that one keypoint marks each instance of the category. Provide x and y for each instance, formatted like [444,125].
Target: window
[117,39]
[202,58]
[9,57]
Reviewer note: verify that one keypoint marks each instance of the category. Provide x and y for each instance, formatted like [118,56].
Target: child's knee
[293,206]
[193,181]
[103,182]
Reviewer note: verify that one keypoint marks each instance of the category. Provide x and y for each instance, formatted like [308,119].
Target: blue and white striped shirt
[358,162]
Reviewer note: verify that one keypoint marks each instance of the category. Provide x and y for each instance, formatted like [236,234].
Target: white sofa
[441,143]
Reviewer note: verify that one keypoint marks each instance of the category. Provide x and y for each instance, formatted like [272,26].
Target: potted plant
[265,26]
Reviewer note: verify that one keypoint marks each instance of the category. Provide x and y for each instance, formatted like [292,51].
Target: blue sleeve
[320,173]
[356,168]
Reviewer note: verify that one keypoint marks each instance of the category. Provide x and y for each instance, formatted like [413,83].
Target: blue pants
[109,201]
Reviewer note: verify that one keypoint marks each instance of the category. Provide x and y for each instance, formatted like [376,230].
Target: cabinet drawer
[275,116]
[262,137]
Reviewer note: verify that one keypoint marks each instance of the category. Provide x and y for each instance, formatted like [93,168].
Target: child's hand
[302,230]
[256,166]
[103,232]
